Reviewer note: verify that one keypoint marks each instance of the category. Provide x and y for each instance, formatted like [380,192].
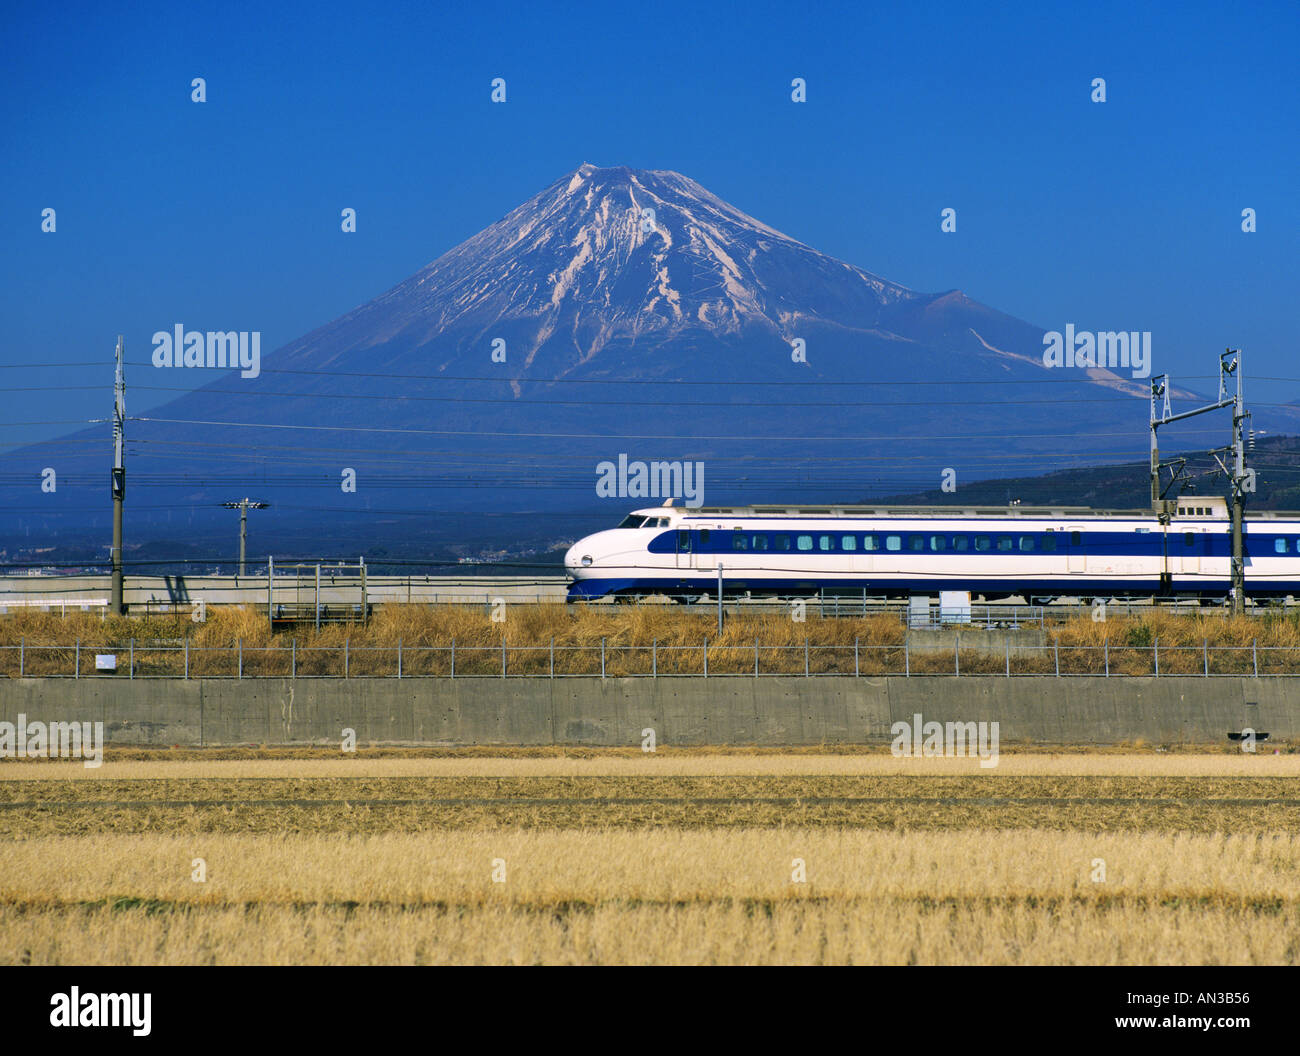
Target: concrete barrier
[681,711]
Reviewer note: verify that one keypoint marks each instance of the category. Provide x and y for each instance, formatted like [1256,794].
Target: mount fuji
[619,312]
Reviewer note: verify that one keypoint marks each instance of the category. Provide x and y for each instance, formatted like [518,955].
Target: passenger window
[916,542]
[804,542]
[1026,543]
[848,542]
[1049,542]
[824,543]
[893,542]
[870,542]
[783,542]
[739,541]
[1279,546]
[683,541]
[938,542]
[960,542]
[982,542]
[1004,542]
[760,542]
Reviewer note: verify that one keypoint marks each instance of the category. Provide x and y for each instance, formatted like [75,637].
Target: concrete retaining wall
[682,711]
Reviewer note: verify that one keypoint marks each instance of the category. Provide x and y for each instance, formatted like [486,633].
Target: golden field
[676,857]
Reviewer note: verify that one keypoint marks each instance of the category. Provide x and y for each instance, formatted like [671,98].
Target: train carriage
[1037,553]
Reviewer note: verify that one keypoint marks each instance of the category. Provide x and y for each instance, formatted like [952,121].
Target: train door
[705,542]
[685,549]
[1075,556]
[1190,544]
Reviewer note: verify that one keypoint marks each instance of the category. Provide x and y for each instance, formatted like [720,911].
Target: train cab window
[825,542]
[1004,542]
[803,542]
[938,542]
[916,542]
[1279,546]
[739,541]
[1189,538]
[633,521]
[870,542]
[782,542]
[1076,538]
[683,541]
[758,541]
[893,542]
[982,542]
[848,542]
[960,542]
[1026,543]
[1049,543]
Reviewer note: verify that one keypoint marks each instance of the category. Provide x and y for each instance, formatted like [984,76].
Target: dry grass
[368,806]
[677,857]
[654,897]
[676,637]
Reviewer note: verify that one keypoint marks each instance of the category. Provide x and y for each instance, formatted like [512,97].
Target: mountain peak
[616,253]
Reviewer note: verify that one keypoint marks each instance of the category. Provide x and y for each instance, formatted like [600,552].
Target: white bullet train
[1037,553]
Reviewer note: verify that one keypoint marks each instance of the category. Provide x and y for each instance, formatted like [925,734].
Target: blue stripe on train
[1072,587]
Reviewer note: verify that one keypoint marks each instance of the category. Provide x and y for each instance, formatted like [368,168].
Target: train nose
[578,557]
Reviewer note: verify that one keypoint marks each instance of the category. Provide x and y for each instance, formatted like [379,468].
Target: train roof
[1217,504]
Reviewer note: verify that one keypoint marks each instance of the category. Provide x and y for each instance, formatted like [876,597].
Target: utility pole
[243,506]
[1243,479]
[118,477]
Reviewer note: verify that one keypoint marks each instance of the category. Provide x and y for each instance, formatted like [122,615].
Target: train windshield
[633,521]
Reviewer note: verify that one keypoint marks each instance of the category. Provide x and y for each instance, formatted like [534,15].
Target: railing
[708,659]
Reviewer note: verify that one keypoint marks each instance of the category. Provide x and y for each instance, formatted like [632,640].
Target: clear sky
[1117,215]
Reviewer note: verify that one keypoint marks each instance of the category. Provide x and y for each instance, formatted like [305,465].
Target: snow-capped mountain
[628,312]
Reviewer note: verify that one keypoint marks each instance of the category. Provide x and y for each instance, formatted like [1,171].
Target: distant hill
[1275,459]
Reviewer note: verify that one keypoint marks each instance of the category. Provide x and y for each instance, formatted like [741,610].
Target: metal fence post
[1155,652]
[755,657]
[453,658]
[76,668]
[907,658]
[654,658]
[706,657]
[241,658]
[602,658]
[1205,653]
[1105,646]
[956,655]
[1008,656]
[552,656]
[347,657]
[1056,651]
[1254,657]
[857,667]
[503,657]
[399,658]
[22,657]
[187,657]
[293,659]
[130,663]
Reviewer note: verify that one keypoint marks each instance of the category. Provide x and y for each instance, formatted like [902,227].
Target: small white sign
[105,662]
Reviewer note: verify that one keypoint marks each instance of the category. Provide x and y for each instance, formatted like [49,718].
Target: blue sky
[1122,215]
